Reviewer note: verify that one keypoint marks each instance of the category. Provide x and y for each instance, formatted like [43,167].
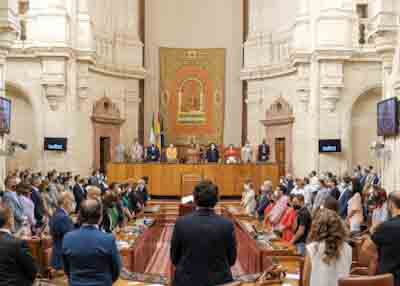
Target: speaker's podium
[179,180]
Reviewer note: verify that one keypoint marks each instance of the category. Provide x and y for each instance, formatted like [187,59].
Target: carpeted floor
[160,262]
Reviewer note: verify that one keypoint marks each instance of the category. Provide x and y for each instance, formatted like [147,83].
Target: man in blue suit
[60,224]
[90,256]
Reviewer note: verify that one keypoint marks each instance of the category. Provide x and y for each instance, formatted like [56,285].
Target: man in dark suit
[17,266]
[263,152]
[212,155]
[152,153]
[60,224]
[36,196]
[203,246]
[91,256]
[79,192]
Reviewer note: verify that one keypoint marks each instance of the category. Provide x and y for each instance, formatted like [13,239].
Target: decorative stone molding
[303,84]
[106,112]
[279,113]
[138,73]
[83,81]
[330,95]
[132,96]
[53,80]
[265,72]
[331,83]
[9,23]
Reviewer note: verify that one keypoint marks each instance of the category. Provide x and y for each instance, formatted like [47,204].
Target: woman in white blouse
[249,202]
[355,216]
[329,256]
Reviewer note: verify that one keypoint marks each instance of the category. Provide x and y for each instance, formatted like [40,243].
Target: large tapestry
[192,83]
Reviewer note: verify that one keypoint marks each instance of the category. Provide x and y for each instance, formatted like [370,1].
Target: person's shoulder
[72,235]
[185,219]
[224,221]
[393,223]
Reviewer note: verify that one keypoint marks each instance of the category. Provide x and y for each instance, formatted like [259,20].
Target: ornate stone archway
[278,124]
[107,123]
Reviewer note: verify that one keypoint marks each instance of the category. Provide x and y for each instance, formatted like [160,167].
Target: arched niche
[107,123]
[278,124]
[364,126]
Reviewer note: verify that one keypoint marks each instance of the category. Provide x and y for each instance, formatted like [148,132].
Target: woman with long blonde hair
[329,256]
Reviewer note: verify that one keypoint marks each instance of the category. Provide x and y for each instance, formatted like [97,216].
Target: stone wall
[75,53]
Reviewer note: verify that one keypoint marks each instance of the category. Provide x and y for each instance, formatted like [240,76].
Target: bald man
[383,246]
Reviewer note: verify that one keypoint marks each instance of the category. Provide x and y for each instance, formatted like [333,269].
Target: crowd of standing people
[59,204]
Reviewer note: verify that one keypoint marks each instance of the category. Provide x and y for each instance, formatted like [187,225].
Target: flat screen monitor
[330,146]
[388,124]
[55,144]
[5,115]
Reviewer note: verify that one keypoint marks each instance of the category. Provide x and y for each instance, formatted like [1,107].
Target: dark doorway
[280,155]
[105,153]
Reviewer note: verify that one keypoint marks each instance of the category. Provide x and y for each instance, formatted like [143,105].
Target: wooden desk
[138,255]
[169,179]
[40,249]
[254,256]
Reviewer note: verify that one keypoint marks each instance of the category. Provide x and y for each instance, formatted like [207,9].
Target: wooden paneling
[167,179]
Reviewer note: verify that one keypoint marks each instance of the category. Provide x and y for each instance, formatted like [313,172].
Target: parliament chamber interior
[199,142]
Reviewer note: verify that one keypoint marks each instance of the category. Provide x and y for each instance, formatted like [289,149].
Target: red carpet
[160,262]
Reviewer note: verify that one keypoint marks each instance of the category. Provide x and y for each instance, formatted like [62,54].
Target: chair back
[379,280]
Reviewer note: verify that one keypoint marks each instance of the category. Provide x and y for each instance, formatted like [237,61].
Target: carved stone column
[255,114]
[9,29]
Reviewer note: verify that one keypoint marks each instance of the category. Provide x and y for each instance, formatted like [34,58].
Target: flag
[162,133]
[152,138]
[157,130]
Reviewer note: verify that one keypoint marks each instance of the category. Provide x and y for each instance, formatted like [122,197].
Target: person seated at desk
[212,155]
[152,153]
[231,155]
[247,153]
[172,154]
[193,154]
[263,152]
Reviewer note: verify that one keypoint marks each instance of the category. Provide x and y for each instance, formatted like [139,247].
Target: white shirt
[4,230]
[323,274]
[249,201]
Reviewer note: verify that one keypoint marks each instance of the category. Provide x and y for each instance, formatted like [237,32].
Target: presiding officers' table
[177,180]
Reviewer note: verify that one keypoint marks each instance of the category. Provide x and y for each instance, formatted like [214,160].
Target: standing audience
[329,257]
[60,224]
[383,243]
[249,202]
[90,256]
[303,224]
[17,266]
